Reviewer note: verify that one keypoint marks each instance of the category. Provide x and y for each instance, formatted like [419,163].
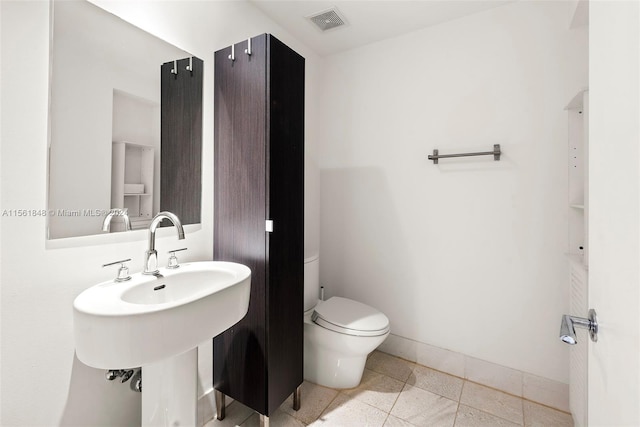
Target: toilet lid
[350,317]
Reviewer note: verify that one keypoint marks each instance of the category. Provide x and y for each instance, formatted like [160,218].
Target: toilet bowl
[339,333]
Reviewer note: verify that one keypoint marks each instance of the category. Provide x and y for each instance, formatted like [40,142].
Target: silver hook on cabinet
[248,49]
[190,66]
[174,70]
[233,53]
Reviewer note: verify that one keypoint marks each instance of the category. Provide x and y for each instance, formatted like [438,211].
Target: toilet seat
[350,317]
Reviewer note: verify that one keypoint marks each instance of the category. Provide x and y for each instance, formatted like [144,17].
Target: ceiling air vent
[328,19]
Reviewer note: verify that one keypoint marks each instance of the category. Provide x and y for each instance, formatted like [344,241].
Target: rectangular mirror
[112,124]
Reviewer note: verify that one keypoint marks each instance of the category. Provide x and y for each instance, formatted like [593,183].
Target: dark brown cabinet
[181,139]
[259,217]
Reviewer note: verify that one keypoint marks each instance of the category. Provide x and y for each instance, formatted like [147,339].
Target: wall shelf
[578,225]
[578,153]
[577,102]
[132,164]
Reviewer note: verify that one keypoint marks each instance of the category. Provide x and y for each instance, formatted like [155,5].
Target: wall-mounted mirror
[106,128]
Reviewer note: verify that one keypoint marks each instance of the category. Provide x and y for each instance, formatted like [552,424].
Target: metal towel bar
[496,154]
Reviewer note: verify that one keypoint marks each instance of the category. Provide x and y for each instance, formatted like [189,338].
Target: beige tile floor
[398,393]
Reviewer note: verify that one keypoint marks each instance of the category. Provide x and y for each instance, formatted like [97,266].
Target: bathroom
[467,256]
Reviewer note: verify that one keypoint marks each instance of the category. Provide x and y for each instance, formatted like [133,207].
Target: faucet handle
[173,259]
[123,271]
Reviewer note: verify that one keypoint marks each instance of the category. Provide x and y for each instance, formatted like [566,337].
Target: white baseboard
[531,387]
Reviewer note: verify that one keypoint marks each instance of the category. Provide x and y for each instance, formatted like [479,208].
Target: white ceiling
[368,20]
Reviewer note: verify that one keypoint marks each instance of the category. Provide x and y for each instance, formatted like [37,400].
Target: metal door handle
[568,324]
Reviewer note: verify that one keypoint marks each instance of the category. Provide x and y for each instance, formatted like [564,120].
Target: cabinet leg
[264,421]
[296,399]
[220,404]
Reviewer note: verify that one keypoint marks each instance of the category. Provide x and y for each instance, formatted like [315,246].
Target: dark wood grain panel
[286,209]
[181,140]
[259,175]
[240,212]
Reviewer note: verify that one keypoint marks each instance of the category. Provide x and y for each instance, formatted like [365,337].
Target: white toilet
[339,333]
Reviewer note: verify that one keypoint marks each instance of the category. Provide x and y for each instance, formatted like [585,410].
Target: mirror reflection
[105,121]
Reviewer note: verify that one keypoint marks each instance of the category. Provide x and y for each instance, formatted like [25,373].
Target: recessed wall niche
[135,159]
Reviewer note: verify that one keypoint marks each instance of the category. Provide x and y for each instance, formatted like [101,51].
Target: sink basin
[175,289]
[149,319]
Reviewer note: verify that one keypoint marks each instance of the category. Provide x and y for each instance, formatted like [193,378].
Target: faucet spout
[151,256]
[106,224]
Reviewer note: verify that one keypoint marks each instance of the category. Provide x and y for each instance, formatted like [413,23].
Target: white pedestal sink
[157,322]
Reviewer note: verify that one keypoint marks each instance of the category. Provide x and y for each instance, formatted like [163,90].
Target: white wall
[42,384]
[614,212]
[466,255]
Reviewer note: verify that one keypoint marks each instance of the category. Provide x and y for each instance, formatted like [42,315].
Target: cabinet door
[240,213]
[286,208]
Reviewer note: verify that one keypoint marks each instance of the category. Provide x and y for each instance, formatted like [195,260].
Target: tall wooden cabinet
[259,217]
[181,137]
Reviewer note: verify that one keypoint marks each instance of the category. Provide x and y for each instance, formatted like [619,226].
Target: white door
[614,212]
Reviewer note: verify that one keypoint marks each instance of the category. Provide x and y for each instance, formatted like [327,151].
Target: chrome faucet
[151,256]
[106,224]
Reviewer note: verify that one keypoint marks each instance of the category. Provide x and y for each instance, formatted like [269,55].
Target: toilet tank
[311,281]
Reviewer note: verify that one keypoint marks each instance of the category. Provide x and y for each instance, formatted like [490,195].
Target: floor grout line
[458,401]
[522,403]
[466,379]
[455,418]
[405,383]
